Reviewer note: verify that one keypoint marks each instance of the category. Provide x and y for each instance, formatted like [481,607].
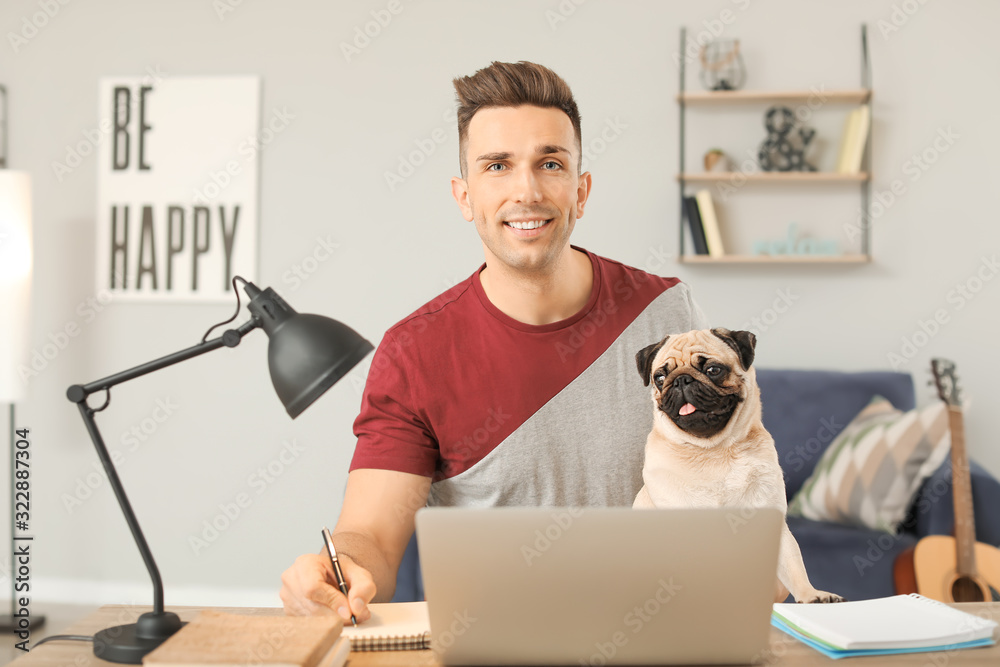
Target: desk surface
[784,650]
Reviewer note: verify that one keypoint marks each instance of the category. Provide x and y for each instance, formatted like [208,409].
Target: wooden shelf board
[775,259]
[775,177]
[852,95]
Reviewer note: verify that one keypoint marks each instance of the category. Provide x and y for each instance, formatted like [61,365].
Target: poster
[177,187]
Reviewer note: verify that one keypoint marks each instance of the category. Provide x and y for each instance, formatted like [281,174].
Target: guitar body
[935,567]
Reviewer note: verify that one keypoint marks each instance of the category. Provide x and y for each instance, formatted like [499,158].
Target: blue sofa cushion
[854,562]
[804,411]
[933,509]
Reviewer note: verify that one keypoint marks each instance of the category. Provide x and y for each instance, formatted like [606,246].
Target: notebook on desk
[393,626]
[898,624]
[560,586]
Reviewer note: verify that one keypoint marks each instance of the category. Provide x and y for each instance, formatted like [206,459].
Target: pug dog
[708,446]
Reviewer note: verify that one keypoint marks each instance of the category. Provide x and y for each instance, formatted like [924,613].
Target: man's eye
[555,165]
[495,164]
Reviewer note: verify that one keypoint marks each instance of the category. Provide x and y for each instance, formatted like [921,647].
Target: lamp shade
[15,281]
[306,353]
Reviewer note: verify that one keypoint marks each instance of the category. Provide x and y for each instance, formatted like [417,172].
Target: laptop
[598,586]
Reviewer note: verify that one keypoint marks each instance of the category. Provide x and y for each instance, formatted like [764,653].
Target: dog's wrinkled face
[698,377]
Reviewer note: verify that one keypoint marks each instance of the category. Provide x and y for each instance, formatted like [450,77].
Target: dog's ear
[644,359]
[742,342]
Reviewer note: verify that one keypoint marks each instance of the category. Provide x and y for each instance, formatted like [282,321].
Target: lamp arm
[230,338]
[78,394]
[133,523]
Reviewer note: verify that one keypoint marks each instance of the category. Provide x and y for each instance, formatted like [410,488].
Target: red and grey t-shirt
[498,412]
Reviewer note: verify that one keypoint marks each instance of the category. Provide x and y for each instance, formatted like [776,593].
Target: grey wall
[324,178]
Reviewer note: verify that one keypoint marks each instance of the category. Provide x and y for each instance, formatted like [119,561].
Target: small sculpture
[716,161]
[793,244]
[786,143]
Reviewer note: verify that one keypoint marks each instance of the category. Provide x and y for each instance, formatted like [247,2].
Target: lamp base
[130,643]
[10,623]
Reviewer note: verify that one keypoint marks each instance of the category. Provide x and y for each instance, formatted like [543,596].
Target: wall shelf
[774,176]
[775,259]
[863,180]
[851,96]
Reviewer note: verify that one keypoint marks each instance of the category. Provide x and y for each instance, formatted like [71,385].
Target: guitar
[945,568]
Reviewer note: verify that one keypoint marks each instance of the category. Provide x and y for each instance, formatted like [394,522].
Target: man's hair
[511,85]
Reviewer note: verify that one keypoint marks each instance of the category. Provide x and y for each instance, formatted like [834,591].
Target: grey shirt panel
[585,446]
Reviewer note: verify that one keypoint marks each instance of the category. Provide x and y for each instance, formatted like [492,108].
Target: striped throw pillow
[871,471]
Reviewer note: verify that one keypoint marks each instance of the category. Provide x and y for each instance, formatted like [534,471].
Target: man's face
[522,188]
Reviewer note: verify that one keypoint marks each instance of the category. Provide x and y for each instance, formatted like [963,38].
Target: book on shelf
[845,139]
[898,624]
[710,223]
[852,143]
[694,224]
[859,139]
[220,639]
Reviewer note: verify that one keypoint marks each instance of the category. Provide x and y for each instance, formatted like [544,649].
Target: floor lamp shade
[15,281]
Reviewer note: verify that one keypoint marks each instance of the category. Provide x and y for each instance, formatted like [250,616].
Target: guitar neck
[965,525]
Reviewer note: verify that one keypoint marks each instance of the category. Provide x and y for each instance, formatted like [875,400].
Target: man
[517,386]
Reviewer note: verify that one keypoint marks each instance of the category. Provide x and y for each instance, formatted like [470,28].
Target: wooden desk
[784,650]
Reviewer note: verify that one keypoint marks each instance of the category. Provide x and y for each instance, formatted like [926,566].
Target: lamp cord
[107,401]
[76,638]
[235,315]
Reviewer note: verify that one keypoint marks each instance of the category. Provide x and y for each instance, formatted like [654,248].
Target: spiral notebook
[897,624]
[394,626]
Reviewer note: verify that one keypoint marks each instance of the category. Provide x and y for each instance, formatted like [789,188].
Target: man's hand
[371,535]
[308,588]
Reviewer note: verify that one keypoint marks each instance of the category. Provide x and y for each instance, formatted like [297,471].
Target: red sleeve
[390,435]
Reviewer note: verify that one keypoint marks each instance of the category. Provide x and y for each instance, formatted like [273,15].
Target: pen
[337,572]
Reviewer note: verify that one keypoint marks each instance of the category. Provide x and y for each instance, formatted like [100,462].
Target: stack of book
[852,143]
[219,639]
[704,224]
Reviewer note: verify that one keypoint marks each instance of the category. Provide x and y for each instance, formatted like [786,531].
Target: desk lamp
[306,355]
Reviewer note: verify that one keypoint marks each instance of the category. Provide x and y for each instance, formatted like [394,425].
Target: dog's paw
[822,597]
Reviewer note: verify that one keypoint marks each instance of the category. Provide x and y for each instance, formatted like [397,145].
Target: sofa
[804,410]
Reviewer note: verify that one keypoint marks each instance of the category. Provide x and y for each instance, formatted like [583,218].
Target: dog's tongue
[687,409]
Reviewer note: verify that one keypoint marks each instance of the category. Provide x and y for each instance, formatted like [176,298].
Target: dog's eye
[658,379]
[713,371]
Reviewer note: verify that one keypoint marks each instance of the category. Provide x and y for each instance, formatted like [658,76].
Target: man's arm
[375,524]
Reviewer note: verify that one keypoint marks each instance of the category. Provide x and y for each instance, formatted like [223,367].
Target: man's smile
[527,228]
